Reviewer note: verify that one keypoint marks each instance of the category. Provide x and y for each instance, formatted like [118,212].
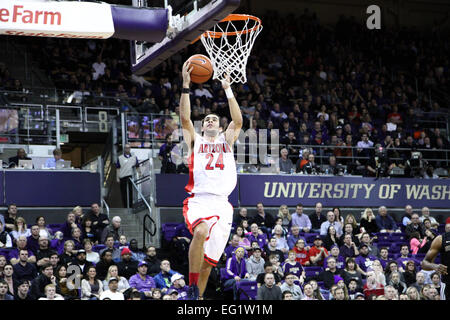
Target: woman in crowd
[368,222]
[61,276]
[113,272]
[87,231]
[409,275]
[412,293]
[338,217]
[331,238]
[40,221]
[415,243]
[91,287]
[285,215]
[91,255]
[243,241]
[20,229]
[350,272]
[350,219]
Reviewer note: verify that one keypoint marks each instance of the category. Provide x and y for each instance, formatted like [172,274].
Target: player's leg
[196,256]
[204,276]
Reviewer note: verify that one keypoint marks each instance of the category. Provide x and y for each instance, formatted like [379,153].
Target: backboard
[187,21]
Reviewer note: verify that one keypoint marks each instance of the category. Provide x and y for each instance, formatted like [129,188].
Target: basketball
[202,68]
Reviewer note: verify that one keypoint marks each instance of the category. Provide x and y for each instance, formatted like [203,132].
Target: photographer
[334,167]
[379,165]
[165,155]
[311,167]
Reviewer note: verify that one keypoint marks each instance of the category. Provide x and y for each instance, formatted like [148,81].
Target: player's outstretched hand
[186,72]
[226,82]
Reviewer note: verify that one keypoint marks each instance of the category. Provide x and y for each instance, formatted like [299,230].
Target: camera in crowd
[381,161]
[415,166]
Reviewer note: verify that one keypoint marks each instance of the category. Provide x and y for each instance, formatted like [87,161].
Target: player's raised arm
[235,125]
[185,106]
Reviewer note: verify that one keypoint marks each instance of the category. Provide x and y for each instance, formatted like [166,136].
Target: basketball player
[441,244]
[212,177]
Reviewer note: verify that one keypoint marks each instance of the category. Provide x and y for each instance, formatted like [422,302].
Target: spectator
[153,263]
[235,271]
[10,217]
[283,213]
[241,216]
[178,286]
[33,239]
[127,266]
[4,291]
[385,222]
[415,226]
[40,282]
[143,282]
[234,244]
[124,165]
[318,253]
[91,286]
[91,256]
[256,234]
[5,238]
[426,215]
[412,293]
[43,230]
[351,272]
[384,256]
[329,274]
[293,236]
[308,292]
[292,266]
[68,257]
[113,229]
[300,219]
[269,291]
[243,241]
[61,278]
[57,157]
[99,220]
[372,286]
[110,245]
[291,287]
[331,238]
[264,220]
[398,285]
[272,248]
[282,244]
[317,218]
[286,165]
[335,253]
[330,222]
[406,218]
[78,211]
[364,260]
[113,272]
[77,239]
[254,264]
[420,281]
[268,268]
[81,261]
[69,225]
[373,249]
[8,273]
[21,245]
[349,248]
[50,293]
[44,252]
[162,279]
[24,270]
[168,165]
[416,242]
[368,222]
[87,230]
[302,253]
[112,293]
[105,262]
[20,229]
[23,291]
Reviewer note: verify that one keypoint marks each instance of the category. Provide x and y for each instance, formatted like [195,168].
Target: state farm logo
[21,15]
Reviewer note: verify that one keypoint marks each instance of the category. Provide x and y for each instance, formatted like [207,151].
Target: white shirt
[204,92]
[112,295]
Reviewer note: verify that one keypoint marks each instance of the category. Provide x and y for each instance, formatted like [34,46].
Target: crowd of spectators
[87,257]
[331,257]
[319,85]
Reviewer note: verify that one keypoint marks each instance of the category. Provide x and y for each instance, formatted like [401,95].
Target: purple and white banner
[86,20]
[348,191]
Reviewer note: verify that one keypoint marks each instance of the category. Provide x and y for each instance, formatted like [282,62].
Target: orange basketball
[202,68]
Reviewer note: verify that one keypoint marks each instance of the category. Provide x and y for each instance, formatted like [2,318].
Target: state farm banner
[275,190]
[56,19]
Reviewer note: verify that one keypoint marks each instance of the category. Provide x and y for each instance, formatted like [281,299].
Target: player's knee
[201,231]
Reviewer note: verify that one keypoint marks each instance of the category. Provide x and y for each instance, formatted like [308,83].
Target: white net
[229,45]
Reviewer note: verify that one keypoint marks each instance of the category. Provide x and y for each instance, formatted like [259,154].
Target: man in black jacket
[152,261]
[21,155]
[264,220]
[415,225]
[126,266]
[46,277]
[99,220]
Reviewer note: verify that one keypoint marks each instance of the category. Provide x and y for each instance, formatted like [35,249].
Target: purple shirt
[142,285]
[296,269]
[340,261]
[261,238]
[364,262]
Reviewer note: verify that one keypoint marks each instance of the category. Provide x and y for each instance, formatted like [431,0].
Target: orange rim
[232,17]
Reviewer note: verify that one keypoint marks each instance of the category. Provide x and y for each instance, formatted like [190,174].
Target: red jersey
[314,251]
[301,256]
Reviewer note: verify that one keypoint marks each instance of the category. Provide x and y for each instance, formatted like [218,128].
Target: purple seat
[169,230]
[98,247]
[320,284]
[397,237]
[223,276]
[310,237]
[382,236]
[247,290]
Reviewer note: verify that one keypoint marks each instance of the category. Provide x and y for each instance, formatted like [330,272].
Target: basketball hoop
[229,45]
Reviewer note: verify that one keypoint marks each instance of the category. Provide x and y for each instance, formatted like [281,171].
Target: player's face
[211,125]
